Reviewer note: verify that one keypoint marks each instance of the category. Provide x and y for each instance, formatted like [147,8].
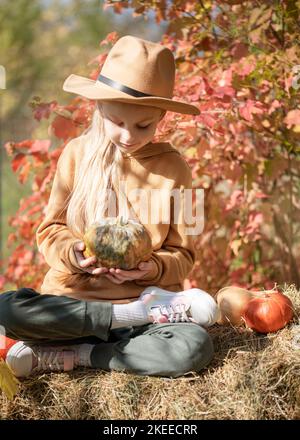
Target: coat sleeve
[54,239]
[176,258]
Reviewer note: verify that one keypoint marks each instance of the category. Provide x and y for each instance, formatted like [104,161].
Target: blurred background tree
[41,43]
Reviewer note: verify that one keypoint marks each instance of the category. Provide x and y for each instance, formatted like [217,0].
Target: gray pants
[151,349]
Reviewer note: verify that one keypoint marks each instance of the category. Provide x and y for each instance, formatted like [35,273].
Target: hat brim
[96,90]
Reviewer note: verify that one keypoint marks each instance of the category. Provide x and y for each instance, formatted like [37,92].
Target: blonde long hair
[97,179]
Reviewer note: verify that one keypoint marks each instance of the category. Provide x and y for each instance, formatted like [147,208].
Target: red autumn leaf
[38,159]
[275,104]
[261,195]
[55,154]
[40,146]
[25,229]
[26,144]
[255,220]
[250,108]
[111,37]
[220,92]
[11,238]
[25,203]
[95,73]
[244,66]
[19,160]
[23,175]
[99,59]
[34,210]
[18,272]
[45,182]
[80,115]
[26,258]
[64,128]
[236,199]
[206,119]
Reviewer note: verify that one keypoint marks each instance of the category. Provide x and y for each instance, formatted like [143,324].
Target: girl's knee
[193,350]
[5,312]
[11,313]
[205,353]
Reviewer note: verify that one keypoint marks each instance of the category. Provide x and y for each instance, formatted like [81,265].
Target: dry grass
[252,376]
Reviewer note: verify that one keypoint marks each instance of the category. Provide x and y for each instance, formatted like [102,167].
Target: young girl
[140,320]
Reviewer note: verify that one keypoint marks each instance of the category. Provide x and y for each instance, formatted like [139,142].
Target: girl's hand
[119,276]
[88,264]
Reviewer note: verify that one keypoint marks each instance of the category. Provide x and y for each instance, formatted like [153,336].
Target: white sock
[132,314]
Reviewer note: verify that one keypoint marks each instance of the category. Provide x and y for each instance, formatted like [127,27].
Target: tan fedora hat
[135,71]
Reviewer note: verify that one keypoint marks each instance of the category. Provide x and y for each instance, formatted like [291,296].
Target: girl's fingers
[99,270]
[120,274]
[96,271]
[113,279]
[88,262]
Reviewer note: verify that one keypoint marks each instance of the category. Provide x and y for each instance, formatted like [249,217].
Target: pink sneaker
[192,305]
[27,359]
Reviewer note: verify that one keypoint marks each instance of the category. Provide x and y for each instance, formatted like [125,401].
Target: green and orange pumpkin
[117,242]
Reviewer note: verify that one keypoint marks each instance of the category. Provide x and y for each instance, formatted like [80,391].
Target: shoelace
[171,313]
[54,360]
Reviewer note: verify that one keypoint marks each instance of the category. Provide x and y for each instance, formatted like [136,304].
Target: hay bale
[252,376]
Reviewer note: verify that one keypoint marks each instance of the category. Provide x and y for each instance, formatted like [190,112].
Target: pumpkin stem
[265,292]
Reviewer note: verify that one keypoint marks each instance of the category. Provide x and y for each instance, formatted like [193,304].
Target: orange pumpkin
[5,344]
[268,312]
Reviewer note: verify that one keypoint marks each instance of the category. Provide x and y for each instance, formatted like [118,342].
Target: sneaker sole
[12,359]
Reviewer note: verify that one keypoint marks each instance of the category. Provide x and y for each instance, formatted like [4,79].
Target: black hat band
[118,86]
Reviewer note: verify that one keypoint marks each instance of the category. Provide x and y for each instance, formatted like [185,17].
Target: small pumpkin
[268,312]
[232,302]
[5,344]
[117,242]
